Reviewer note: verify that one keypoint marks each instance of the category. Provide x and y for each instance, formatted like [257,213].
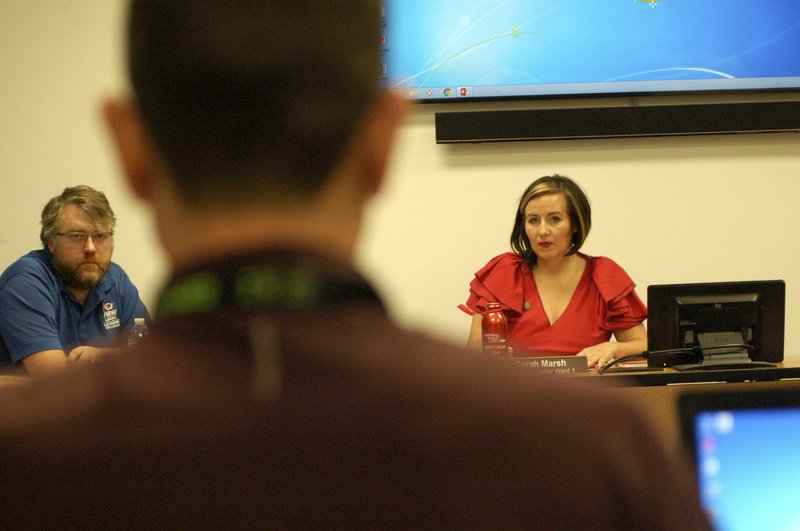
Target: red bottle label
[494,330]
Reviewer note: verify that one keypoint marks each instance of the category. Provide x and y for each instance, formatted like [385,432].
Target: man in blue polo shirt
[67,303]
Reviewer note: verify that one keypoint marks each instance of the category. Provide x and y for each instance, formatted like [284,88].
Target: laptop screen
[746,451]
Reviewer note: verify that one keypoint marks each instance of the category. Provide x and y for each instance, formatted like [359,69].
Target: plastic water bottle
[138,333]
[494,330]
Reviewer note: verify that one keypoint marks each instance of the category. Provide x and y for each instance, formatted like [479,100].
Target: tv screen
[448,50]
[708,325]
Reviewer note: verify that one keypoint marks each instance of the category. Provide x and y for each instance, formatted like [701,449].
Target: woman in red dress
[559,301]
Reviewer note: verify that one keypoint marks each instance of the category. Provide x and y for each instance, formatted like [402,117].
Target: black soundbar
[609,122]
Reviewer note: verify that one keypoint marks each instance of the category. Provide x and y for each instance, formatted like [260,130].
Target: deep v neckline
[572,297]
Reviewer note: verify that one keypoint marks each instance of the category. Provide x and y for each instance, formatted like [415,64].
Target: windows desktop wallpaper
[748,468]
[548,45]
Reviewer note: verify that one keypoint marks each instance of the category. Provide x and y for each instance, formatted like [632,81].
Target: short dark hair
[253,100]
[580,213]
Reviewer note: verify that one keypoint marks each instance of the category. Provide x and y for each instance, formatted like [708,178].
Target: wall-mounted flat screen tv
[452,50]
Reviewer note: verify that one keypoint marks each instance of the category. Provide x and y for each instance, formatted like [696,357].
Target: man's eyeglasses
[80,238]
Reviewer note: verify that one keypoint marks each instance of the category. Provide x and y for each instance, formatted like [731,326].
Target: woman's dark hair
[579,209]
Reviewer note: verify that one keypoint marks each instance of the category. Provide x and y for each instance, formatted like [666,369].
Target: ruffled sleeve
[499,281]
[621,307]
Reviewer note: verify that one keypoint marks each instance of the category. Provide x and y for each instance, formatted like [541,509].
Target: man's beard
[74,278]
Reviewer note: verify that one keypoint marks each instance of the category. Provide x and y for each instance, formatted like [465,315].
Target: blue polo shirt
[38,312]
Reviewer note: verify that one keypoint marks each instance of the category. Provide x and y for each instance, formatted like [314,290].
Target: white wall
[681,209]
[58,59]
[685,209]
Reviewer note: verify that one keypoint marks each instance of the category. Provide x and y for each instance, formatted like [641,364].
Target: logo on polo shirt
[110,318]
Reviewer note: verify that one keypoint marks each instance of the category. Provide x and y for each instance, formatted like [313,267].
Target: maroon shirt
[323,416]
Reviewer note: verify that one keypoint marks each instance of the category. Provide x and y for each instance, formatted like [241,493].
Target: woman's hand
[474,341]
[628,341]
[600,354]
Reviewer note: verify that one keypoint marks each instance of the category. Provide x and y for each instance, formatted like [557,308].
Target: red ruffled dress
[603,302]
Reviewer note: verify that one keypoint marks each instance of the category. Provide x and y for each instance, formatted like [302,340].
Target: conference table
[787,370]
[657,392]
[8,379]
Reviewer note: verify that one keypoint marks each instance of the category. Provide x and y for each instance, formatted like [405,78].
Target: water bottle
[494,330]
[138,333]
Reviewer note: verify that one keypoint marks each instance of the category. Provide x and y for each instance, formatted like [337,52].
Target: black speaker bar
[609,122]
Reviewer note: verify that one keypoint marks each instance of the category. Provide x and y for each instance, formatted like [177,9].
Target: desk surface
[7,379]
[787,370]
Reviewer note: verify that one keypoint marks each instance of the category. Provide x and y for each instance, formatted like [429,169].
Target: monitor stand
[723,350]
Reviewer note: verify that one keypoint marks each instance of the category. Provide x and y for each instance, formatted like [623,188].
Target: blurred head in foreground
[238,109]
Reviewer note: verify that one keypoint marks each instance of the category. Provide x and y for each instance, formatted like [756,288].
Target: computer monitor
[716,324]
[744,447]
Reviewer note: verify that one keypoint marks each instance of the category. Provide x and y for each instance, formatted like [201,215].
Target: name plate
[556,364]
